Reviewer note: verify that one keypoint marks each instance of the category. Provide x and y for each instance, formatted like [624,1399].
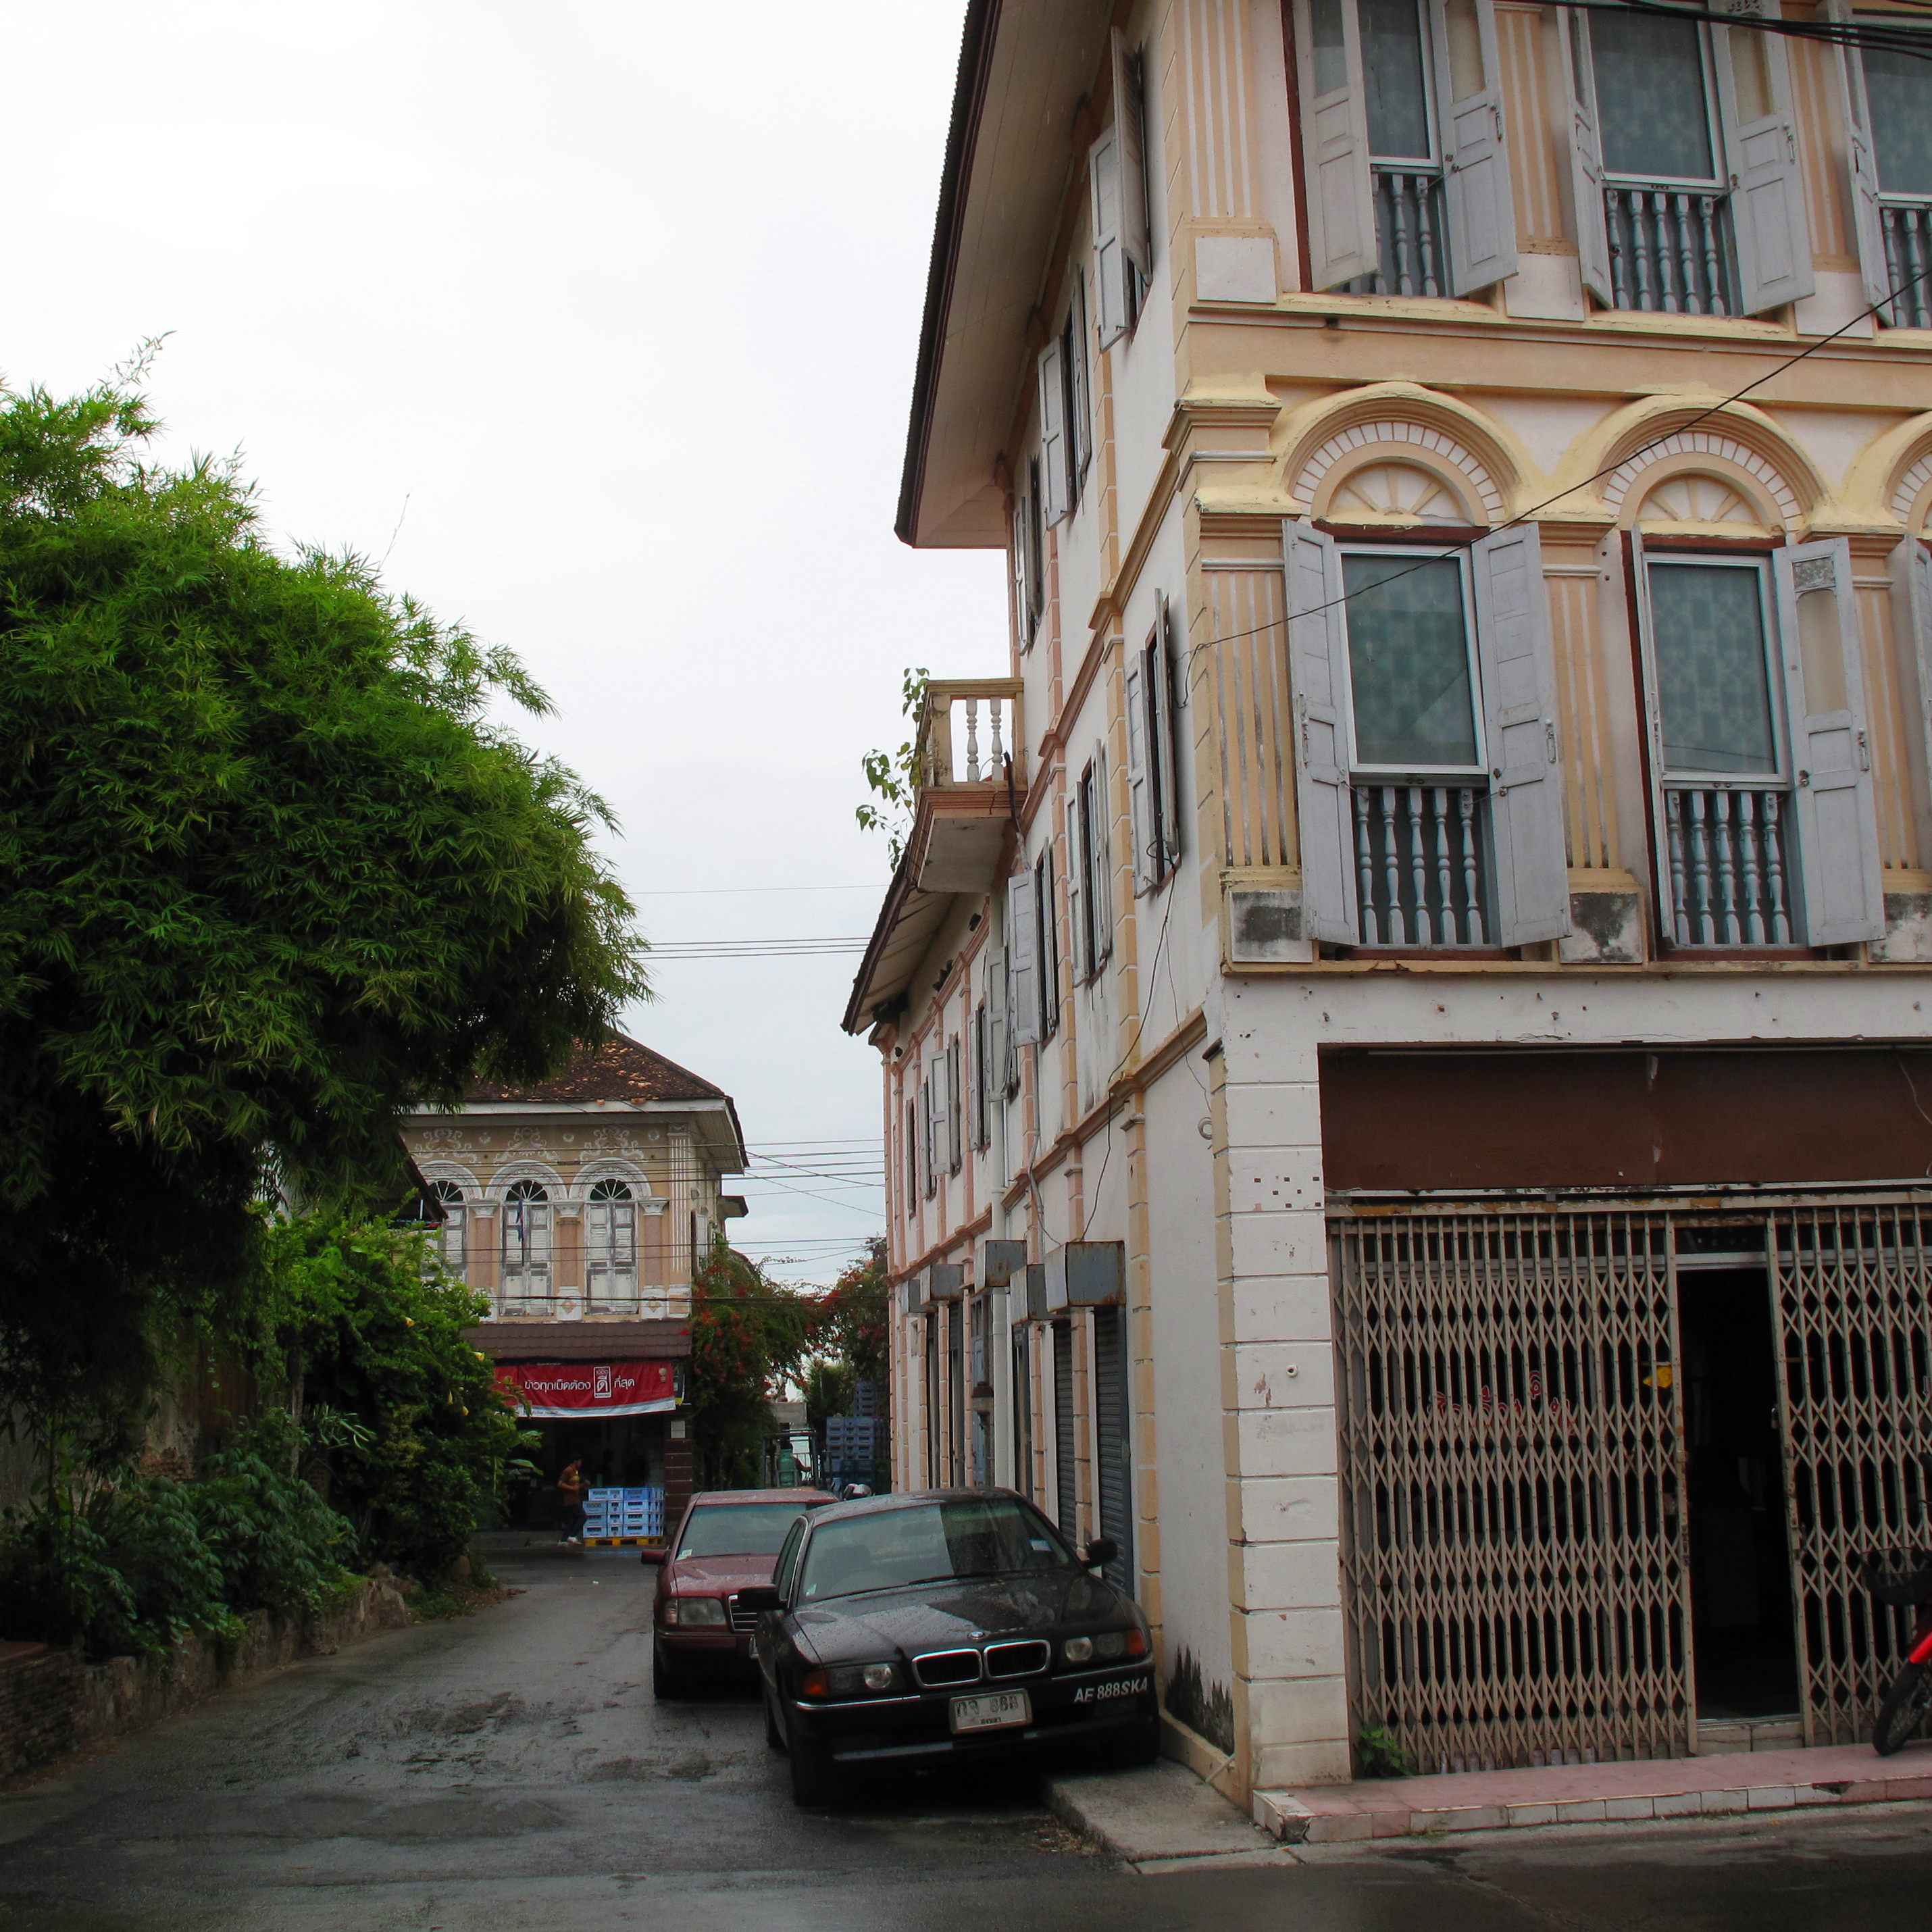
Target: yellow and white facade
[1436,916]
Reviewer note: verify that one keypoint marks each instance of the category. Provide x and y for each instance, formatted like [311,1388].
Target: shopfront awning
[588,1391]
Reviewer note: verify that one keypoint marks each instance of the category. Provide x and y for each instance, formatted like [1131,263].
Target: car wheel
[774,1737]
[667,1682]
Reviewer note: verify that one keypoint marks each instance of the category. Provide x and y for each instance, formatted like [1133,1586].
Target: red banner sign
[579,1391]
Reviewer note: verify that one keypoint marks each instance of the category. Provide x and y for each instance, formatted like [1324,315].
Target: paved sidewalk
[1161,1818]
[1490,1800]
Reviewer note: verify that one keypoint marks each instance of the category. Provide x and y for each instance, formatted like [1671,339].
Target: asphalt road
[511,1770]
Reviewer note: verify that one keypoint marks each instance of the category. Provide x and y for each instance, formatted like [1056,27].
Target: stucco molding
[453,1171]
[1386,422]
[1889,486]
[1740,441]
[511,1171]
[612,1167]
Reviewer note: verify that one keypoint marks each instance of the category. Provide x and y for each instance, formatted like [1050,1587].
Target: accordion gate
[1515,1544]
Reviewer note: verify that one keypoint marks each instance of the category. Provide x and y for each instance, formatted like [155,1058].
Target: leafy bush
[129,1569]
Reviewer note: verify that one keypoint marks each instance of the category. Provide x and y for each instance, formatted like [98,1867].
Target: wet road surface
[512,1770]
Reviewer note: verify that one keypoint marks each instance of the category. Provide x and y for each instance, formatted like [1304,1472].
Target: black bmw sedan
[944,1626]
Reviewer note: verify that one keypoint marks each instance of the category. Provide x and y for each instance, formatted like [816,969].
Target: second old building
[1404,1011]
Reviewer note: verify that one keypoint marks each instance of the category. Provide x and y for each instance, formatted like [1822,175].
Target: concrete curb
[1160,1817]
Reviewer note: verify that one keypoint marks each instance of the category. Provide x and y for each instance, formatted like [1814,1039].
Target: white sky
[622,301]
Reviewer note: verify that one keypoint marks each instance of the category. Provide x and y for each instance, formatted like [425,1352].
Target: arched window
[610,1240]
[526,1242]
[452,1236]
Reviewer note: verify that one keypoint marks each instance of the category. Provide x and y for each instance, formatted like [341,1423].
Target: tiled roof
[621,1069]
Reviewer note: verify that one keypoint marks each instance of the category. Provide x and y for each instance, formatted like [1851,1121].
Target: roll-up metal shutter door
[1022,1414]
[956,1371]
[1112,1445]
[1064,1478]
[934,1422]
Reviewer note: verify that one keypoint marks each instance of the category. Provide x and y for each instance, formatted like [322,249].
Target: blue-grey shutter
[1874,274]
[1160,676]
[1335,142]
[1767,217]
[1080,427]
[1481,210]
[1531,868]
[1022,962]
[1078,838]
[1139,818]
[1130,124]
[1100,887]
[999,1052]
[1318,669]
[1022,589]
[1586,159]
[1053,464]
[956,1101]
[1911,609]
[1838,860]
[1110,269]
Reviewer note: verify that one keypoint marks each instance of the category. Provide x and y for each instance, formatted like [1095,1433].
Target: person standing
[570,1486]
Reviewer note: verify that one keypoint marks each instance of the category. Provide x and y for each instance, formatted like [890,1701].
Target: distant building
[1405,1010]
[580,1207]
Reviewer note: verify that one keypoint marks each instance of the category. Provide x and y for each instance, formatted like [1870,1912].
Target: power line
[722,891]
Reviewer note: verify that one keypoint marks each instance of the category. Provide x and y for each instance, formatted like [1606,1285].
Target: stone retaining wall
[52,1703]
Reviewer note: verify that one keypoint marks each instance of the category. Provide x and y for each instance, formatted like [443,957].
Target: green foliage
[850,1322]
[405,1431]
[893,777]
[1380,1753]
[126,1569]
[269,875]
[828,1391]
[748,1333]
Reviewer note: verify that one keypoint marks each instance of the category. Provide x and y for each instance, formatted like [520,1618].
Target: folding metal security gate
[1066,1504]
[1515,1538]
[1113,1447]
[1850,1285]
[1516,1577]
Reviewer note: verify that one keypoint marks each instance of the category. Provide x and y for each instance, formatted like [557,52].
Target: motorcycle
[1904,1707]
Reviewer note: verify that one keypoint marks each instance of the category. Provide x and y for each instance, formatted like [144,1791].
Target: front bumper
[705,1643]
[1069,1708]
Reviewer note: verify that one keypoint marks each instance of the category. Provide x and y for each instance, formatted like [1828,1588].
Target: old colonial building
[1405,1013]
[580,1207]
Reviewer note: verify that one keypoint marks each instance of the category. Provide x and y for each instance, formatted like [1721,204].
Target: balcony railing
[1729,876]
[968,730]
[649,1304]
[1670,250]
[1908,258]
[1421,865]
[1408,235]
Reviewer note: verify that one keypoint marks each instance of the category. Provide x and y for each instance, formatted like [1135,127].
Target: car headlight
[687,1612]
[1108,1646]
[1077,1649]
[847,1680]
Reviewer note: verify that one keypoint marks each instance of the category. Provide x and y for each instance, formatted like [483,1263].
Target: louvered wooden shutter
[928,1152]
[1130,125]
[1022,589]
[1911,607]
[1079,391]
[999,1051]
[1113,1441]
[955,1101]
[1100,884]
[1110,269]
[1335,142]
[1318,659]
[1586,159]
[1480,209]
[1022,962]
[1873,273]
[1838,862]
[1767,217]
[1140,820]
[1078,837]
[1532,872]
[1053,464]
[1159,674]
[1047,933]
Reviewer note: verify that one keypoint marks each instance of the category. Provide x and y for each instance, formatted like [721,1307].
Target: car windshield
[738,1529]
[928,1543]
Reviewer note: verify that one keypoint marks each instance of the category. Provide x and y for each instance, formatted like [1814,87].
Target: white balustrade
[1408,235]
[1908,259]
[969,731]
[1729,877]
[1670,250]
[1421,865]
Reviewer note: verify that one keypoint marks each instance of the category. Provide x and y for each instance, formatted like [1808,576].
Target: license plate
[993,1712]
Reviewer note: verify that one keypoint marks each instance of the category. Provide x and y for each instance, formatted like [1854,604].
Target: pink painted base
[1489,1800]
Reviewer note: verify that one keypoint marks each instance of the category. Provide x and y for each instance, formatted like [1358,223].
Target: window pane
[1713,684]
[1331,59]
[1650,106]
[1398,109]
[1408,662]
[1900,88]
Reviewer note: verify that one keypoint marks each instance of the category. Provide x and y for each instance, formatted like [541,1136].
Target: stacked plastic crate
[623,1516]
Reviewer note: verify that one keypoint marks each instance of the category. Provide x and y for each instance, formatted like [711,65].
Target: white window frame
[1095,927]
[452,1237]
[1047,927]
[534,1233]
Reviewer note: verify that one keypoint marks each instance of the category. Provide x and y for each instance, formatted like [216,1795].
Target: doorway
[1745,1644]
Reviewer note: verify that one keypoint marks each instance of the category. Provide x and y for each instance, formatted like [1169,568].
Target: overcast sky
[597,320]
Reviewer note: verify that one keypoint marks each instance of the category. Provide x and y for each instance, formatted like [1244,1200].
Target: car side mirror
[759,1597]
[1100,1552]
[649,1555]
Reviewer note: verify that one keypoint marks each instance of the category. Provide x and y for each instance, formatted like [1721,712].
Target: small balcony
[969,759]
[1422,865]
[1908,258]
[1408,235]
[1671,251]
[1729,867]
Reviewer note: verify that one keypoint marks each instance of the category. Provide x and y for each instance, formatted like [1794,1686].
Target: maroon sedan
[728,1540]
